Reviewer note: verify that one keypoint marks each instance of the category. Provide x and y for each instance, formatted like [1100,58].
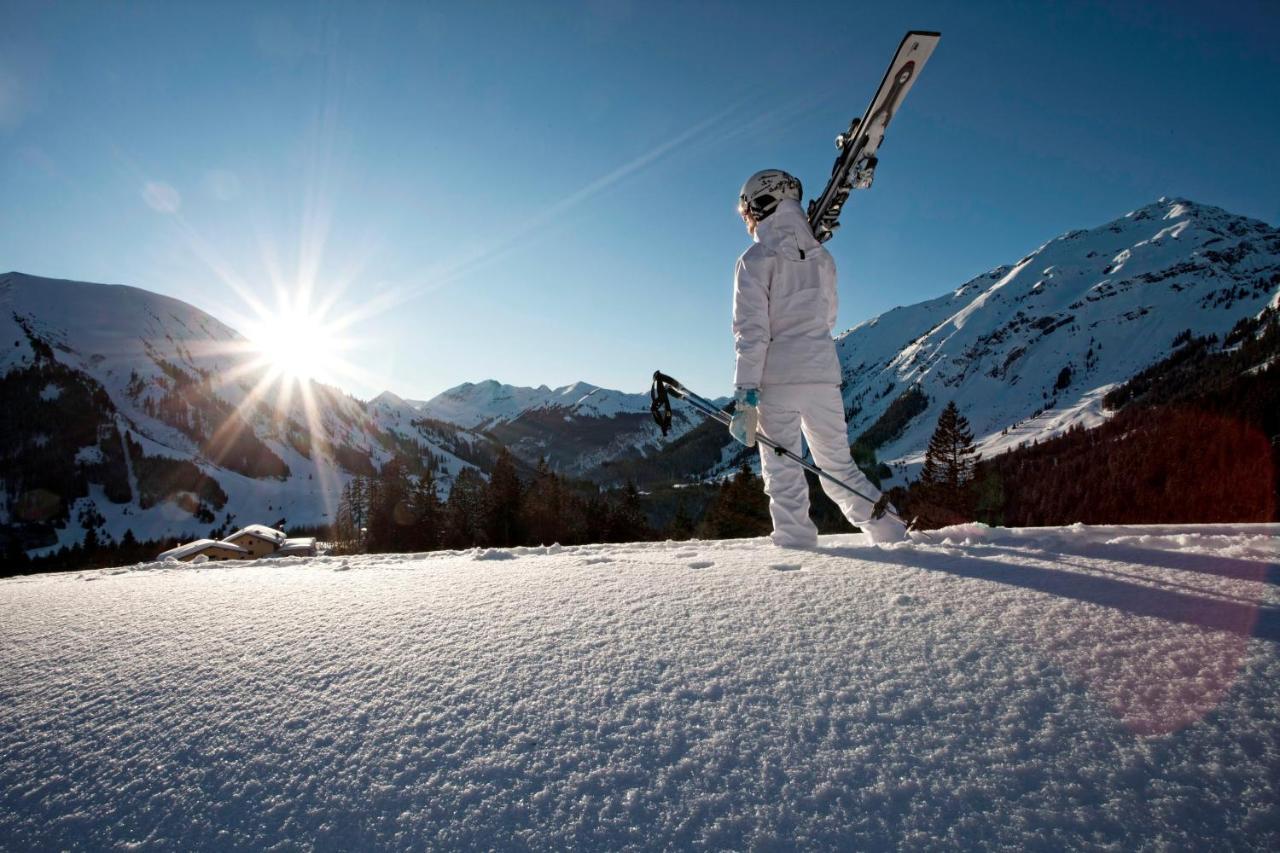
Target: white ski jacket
[784,305]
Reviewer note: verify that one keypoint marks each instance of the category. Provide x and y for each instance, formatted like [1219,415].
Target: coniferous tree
[740,509]
[502,504]
[948,464]
[943,493]
[359,504]
[626,518]
[424,532]
[681,526]
[390,509]
[597,519]
[464,511]
[544,508]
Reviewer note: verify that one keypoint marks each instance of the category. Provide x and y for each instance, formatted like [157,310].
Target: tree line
[394,511]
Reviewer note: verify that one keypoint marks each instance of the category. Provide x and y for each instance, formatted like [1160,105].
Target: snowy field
[1109,688]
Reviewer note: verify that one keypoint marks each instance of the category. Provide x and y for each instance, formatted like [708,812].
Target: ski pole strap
[659,402]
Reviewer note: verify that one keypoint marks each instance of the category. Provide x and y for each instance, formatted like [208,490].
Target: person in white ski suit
[787,374]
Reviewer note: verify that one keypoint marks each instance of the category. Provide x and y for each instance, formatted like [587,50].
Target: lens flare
[298,342]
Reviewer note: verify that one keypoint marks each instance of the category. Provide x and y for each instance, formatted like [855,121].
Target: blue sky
[544,193]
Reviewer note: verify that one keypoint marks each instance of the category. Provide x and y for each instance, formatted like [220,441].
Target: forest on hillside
[1193,438]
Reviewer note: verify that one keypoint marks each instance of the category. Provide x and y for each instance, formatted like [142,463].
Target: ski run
[1084,687]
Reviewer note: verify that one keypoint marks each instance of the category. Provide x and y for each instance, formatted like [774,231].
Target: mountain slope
[121,409]
[1031,348]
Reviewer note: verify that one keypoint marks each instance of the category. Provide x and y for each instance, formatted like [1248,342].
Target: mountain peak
[390,399]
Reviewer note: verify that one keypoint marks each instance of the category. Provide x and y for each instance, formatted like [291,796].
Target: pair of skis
[854,169]
[856,164]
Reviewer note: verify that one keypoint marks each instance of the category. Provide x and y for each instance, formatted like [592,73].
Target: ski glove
[745,417]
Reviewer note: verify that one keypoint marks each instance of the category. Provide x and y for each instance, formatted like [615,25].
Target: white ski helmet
[763,190]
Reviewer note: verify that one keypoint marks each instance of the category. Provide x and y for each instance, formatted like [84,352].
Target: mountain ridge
[1038,328]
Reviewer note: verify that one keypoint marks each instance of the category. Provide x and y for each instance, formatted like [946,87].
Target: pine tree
[948,463]
[390,509]
[424,533]
[502,516]
[464,511]
[91,542]
[681,527]
[359,504]
[543,508]
[626,519]
[740,509]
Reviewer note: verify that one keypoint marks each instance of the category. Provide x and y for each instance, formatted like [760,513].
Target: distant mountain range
[131,410]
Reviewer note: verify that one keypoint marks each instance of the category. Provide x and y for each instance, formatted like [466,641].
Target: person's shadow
[1166,600]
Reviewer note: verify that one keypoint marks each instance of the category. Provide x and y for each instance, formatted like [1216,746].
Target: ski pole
[661,409]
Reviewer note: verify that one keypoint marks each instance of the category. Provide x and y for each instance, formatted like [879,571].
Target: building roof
[305,546]
[192,548]
[261,531]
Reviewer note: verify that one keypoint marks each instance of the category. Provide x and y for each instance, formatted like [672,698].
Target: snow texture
[1111,688]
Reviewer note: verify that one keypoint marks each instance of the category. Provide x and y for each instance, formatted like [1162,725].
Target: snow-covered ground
[1116,688]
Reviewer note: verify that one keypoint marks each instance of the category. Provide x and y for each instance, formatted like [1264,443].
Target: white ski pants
[817,411]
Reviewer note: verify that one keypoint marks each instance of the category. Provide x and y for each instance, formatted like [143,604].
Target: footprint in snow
[786,567]
[595,561]
[701,564]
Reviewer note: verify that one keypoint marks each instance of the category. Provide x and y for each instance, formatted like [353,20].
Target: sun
[297,342]
[298,347]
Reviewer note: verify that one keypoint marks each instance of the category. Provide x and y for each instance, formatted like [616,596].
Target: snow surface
[1109,687]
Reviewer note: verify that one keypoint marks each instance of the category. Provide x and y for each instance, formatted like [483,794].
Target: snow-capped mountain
[480,405]
[575,427]
[1028,349]
[150,414]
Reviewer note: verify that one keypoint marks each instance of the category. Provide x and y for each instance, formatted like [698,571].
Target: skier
[787,375]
